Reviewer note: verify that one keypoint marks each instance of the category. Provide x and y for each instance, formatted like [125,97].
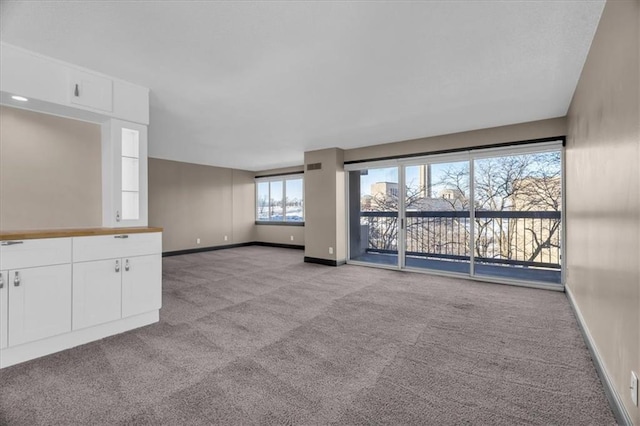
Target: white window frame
[283,179]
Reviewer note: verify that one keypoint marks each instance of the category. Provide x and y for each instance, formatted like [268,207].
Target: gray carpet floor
[253,335]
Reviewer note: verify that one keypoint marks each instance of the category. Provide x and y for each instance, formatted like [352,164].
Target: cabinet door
[91,90]
[3,308]
[39,303]
[97,292]
[141,284]
[125,180]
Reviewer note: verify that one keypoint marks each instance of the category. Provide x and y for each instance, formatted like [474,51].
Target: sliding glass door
[436,216]
[518,219]
[492,214]
[373,215]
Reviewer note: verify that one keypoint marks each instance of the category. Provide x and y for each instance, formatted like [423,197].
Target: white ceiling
[253,85]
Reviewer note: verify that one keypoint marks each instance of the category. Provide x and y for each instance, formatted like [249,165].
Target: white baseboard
[28,351]
[619,411]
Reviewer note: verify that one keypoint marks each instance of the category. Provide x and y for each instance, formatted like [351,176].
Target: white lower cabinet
[39,303]
[3,308]
[97,292]
[140,289]
[107,290]
[58,293]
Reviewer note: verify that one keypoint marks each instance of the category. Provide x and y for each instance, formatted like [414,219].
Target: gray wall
[50,171]
[602,197]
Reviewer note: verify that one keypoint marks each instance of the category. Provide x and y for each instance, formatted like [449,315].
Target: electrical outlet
[292,238]
[197,240]
[330,250]
[226,238]
[634,388]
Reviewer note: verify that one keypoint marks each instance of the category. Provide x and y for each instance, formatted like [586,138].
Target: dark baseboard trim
[228,246]
[288,246]
[326,262]
[203,249]
[615,402]
[264,222]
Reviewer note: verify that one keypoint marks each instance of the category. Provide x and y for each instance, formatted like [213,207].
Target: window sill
[264,222]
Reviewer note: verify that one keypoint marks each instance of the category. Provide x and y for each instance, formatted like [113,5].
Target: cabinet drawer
[115,246]
[17,254]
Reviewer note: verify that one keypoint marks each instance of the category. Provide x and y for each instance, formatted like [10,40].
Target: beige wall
[284,170]
[193,201]
[244,206]
[280,234]
[325,205]
[602,197]
[50,171]
[495,135]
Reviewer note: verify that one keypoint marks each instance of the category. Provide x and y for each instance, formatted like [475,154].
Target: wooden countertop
[74,232]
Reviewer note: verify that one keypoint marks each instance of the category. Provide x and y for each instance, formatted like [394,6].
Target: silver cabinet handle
[126,265]
[121,236]
[16,279]
[117,266]
[1,281]
[11,243]
[117,215]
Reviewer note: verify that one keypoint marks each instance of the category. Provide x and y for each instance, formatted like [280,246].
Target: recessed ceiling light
[19,98]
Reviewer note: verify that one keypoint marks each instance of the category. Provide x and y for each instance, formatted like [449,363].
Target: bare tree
[524,183]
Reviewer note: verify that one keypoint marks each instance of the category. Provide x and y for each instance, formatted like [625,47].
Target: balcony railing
[509,238]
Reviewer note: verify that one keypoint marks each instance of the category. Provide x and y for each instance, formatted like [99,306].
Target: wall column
[325,214]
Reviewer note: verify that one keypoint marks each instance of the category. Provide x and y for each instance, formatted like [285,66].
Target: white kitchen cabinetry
[140,289]
[90,90]
[36,289]
[124,174]
[57,293]
[4,288]
[39,303]
[107,290]
[116,276]
[65,89]
[97,293]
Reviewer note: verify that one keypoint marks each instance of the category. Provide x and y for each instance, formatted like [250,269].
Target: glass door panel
[517,228]
[373,215]
[437,216]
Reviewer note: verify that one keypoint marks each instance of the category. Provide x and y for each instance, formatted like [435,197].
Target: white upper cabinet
[91,90]
[124,174]
[65,89]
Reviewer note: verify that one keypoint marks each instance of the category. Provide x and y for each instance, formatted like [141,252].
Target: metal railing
[522,238]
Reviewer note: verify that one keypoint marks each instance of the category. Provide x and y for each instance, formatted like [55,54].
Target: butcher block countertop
[74,232]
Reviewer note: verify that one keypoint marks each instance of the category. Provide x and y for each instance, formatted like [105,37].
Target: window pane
[130,143]
[280,200]
[276,211]
[294,202]
[130,206]
[130,175]
[518,225]
[262,201]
